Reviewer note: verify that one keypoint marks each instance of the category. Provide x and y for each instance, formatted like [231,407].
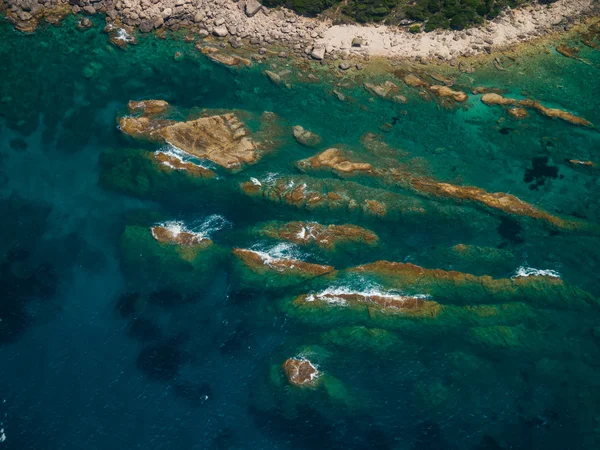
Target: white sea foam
[182,156]
[531,272]
[270,178]
[2,435]
[123,35]
[203,230]
[335,294]
[255,181]
[283,250]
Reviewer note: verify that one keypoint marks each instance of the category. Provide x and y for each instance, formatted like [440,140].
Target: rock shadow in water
[162,360]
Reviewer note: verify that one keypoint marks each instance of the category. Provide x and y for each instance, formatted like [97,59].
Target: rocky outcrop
[175,235]
[446,92]
[497,99]
[334,195]
[305,137]
[223,138]
[414,81]
[336,160]
[324,236]
[301,372]
[413,306]
[262,263]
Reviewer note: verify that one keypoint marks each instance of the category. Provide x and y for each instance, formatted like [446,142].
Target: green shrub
[414,29]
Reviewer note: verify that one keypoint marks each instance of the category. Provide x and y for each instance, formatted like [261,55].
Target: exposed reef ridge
[263,263]
[324,236]
[344,165]
[497,99]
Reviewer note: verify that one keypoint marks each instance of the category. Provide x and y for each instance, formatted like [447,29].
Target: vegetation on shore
[435,14]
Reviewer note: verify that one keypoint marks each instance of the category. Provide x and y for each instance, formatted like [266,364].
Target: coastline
[249,24]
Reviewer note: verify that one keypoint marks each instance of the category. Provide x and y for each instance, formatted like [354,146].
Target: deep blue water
[103,348]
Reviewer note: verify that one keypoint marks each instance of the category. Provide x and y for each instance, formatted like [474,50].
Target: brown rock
[385,90]
[225,59]
[301,372]
[414,81]
[446,92]
[222,139]
[518,113]
[167,235]
[262,264]
[335,160]
[497,99]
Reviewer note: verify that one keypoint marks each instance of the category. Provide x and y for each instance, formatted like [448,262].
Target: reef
[148,107]
[340,163]
[169,161]
[542,288]
[226,59]
[491,99]
[328,237]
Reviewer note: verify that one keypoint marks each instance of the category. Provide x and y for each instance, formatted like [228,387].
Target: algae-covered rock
[324,236]
[148,107]
[150,174]
[166,260]
[446,92]
[363,339]
[386,90]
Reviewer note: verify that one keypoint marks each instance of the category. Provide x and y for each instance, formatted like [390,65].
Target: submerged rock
[148,107]
[324,236]
[414,81]
[226,59]
[176,235]
[497,99]
[305,137]
[385,90]
[301,372]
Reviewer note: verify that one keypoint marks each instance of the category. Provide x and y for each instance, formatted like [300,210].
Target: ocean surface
[111,340]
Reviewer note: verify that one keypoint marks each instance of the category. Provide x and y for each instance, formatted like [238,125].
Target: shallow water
[108,341]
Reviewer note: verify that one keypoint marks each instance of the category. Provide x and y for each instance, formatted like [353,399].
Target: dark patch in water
[18,144]
[167,297]
[510,229]
[126,304]
[162,361]
[505,130]
[429,437]
[539,172]
[143,329]
[237,338]
[488,443]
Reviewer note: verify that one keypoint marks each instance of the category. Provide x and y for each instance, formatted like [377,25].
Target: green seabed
[490,363]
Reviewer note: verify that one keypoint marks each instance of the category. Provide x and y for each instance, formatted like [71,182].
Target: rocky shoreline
[246,23]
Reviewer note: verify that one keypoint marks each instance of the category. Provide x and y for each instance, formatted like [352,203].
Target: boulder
[336,160]
[252,7]
[385,90]
[305,137]
[220,31]
[148,107]
[446,92]
[318,53]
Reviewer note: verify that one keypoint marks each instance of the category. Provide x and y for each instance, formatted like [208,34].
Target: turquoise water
[109,340]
